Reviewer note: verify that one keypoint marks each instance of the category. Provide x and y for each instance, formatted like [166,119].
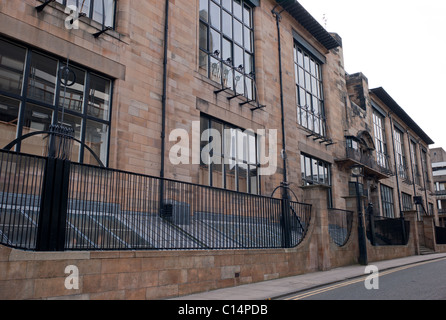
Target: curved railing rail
[95,208]
[340,226]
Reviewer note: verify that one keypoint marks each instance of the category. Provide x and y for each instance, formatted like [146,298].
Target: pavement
[273,289]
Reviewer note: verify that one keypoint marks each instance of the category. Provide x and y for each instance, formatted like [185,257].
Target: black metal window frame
[230,59]
[425,167]
[55,106]
[309,91]
[322,177]
[400,155]
[407,201]
[387,200]
[91,10]
[227,159]
[380,140]
[414,160]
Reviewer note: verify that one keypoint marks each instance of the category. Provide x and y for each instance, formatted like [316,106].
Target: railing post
[54,205]
[371,223]
[285,218]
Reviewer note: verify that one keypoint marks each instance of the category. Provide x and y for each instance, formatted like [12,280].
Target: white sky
[399,45]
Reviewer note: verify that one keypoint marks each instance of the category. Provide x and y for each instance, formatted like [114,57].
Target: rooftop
[298,12]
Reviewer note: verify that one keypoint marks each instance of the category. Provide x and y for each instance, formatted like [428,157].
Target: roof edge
[399,111]
[301,15]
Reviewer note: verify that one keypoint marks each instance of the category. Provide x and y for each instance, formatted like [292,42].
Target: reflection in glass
[74,123]
[96,137]
[99,98]
[12,64]
[72,96]
[37,118]
[9,114]
[42,78]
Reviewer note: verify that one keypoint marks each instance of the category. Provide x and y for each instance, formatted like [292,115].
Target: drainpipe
[163,106]
[403,225]
[286,240]
[423,174]
[164,97]
[411,163]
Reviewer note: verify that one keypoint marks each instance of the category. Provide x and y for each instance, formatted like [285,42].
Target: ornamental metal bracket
[98,34]
[40,8]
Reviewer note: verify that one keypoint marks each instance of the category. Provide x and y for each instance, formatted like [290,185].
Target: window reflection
[12,59]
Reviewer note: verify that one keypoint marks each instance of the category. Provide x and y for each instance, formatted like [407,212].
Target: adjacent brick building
[220,68]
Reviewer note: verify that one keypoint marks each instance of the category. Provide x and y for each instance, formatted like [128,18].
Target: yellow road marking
[363,278]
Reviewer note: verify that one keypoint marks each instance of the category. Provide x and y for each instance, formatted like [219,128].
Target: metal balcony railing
[49,204]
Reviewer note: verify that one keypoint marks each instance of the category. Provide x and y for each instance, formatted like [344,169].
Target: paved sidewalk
[280,287]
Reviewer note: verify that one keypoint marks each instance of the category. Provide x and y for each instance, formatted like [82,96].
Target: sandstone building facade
[136,75]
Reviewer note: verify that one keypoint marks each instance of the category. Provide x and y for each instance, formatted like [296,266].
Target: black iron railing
[381,165]
[96,208]
[440,235]
[387,231]
[340,225]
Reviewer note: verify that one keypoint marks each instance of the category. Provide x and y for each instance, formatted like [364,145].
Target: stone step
[425,251]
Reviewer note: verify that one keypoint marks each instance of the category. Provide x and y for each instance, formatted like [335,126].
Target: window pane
[215,16]
[227,51]
[218,126]
[238,9]
[228,77]
[96,137]
[227,4]
[242,177]
[103,12]
[203,36]
[72,96]
[247,16]
[230,175]
[238,56]
[37,118]
[85,7]
[217,173]
[74,123]
[204,10]
[215,70]
[230,143]
[99,98]
[203,63]
[242,146]
[253,177]
[12,64]
[239,83]
[238,32]
[227,24]
[215,42]
[9,114]
[42,78]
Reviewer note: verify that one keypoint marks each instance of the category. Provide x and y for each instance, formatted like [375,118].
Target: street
[422,281]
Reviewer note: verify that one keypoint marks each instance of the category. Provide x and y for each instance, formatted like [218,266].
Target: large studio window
[102,11]
[387,202]
[234,164]
[226,41]
[316,172]
[400,154]
[33,97]
[380,140]
[309,92]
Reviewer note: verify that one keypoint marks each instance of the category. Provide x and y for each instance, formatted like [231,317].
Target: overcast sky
[399,45]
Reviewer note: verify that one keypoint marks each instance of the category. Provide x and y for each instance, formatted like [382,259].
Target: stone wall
[150,275]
